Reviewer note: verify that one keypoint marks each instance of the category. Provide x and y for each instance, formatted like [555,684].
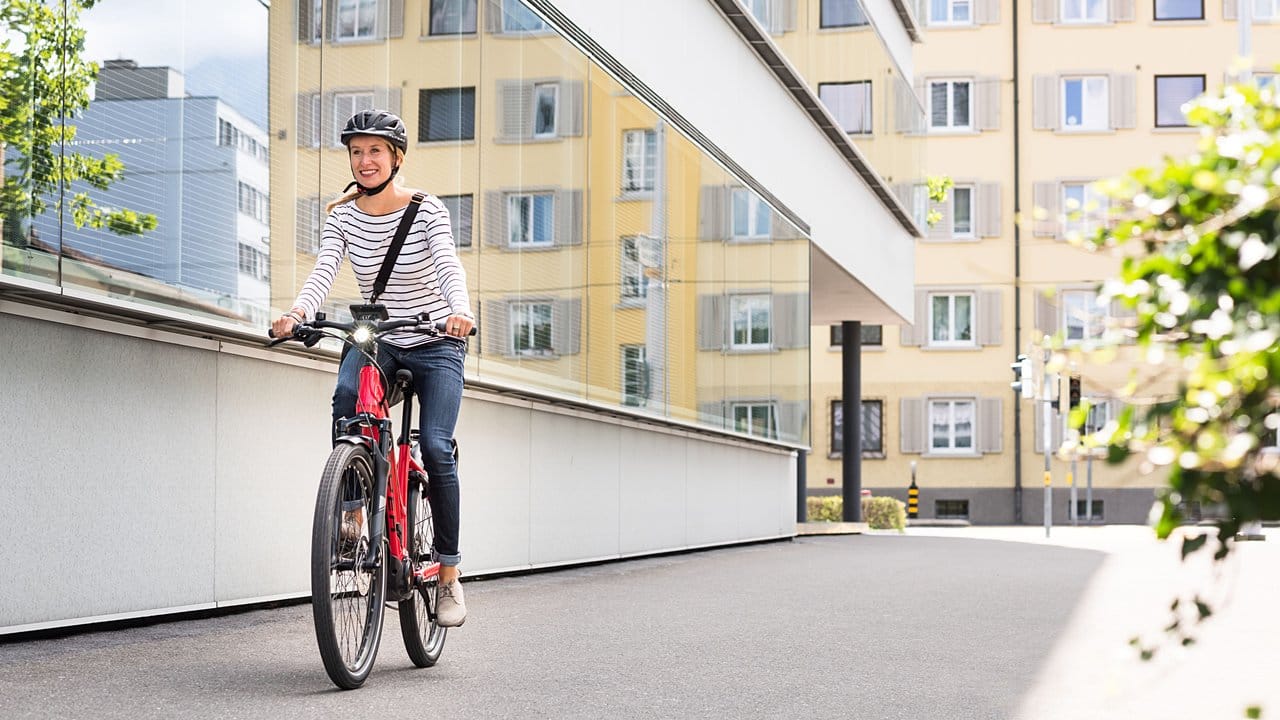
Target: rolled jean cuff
[450,560]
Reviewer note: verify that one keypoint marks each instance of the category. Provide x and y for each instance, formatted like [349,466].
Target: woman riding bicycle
[427,278]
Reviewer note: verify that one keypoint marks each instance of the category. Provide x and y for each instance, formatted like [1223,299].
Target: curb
[830,528]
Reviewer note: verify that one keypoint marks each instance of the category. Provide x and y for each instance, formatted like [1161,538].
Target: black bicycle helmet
[379,123]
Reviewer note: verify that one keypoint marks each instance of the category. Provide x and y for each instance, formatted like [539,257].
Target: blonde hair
[356,193]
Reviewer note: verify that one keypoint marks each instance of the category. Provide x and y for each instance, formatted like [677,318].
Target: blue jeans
[437,381]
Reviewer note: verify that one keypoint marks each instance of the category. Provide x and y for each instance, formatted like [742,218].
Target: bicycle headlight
[362,334]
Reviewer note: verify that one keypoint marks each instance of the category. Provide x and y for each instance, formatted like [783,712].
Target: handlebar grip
[441,325]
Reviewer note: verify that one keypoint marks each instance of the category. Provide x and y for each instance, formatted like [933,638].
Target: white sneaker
[451,608]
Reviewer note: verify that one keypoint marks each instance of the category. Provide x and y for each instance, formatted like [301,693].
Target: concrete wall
[148,472]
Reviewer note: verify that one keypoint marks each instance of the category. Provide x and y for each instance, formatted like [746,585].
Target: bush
[880,513]
[827,508]
[884,513]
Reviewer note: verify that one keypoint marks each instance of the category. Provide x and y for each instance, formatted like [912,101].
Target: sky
[219,45]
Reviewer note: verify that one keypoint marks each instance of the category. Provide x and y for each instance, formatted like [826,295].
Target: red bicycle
[358,567]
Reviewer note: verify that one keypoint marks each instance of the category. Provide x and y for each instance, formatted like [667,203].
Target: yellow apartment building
[1025,107]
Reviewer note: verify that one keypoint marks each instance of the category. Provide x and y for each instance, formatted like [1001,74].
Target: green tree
[1200,237]
[44,82]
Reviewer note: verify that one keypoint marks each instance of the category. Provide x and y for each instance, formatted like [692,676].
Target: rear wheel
[348,576]
[423,638]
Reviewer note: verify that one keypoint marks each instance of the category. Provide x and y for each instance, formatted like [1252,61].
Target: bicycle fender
[355,440]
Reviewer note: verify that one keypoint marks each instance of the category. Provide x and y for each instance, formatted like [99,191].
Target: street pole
[1048,446]
[1071,483]
[1088,465]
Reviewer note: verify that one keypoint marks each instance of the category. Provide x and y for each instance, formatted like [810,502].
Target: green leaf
[1192,544]
[1253,712]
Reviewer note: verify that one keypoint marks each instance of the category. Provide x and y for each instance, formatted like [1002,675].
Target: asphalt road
[910,627]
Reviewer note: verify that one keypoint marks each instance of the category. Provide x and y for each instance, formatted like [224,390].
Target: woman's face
[371,159]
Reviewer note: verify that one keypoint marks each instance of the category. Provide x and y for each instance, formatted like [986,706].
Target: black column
[802,489]
[851,414]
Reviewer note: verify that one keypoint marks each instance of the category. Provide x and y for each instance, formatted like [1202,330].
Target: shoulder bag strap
[393,252]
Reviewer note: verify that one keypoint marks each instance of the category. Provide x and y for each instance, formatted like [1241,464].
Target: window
[920,205]
[231,136]
[962,211]
[310,220]
[950,12]
[951,509]
[758,8]
[750,322]
[949,106]
[871,335]
[634,283]
[871,429]
[546,97]
[1085,103]
[1266,9]
[531,328]
[751,215]
[357,19]
[951,426]
[1084,11]
[635,376]
[639,160]
[452,17]
[850,103]
[344,106]
[517,17]
[1180,9]
[1084,209]
[460,209]
[253,262]
[951,320]
[253,203]
[317,21]
[1265,80]
[1082,512]
[842,13]
[1082,317]
[756,419]
[1099,415]
[530,219]
[446,114]
[1172,92]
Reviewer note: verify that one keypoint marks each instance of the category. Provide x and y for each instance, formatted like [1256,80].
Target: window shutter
[908,116]
[328,133]
[941,230]
[493,16]
[515,114]
[566,326]
[1123,318]
[907,333]
[1046,312]
[791,417]
[987,12]
[305,20]
[495,319]
[1056,429]
[1229,10]
[1044,102]
[1122,11]
[330,29]
[306,127]
[782,16]
[568,212]
[711,322]
[1044,11]
[781,229]
[395,17]
[569,110]
[990,425]
[987,102]
[988,205]
[305,229]
[911,425]
[990,311]
[713,213]
[791,320]
[712,413]
[493,225]
[1045,209]
[1124,105]
[387,99]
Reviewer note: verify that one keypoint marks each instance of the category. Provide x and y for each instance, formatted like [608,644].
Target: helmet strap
[373,190]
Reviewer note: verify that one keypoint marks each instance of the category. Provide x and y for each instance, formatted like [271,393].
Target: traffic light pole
[1048,447]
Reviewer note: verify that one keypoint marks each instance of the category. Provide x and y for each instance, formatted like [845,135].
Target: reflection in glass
[531,323]
[446,114]
[639,156]
[517,17]
[842,13]
[452,17]
[356,19]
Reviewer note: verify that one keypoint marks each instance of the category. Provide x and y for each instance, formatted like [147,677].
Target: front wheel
[423,638]
[348,575]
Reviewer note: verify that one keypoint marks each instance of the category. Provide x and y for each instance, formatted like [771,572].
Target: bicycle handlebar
[306,332]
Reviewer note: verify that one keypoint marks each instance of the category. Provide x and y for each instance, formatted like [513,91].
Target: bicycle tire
[346,601]
[423,638]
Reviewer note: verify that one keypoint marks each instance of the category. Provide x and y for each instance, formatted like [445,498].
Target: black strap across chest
[393,252]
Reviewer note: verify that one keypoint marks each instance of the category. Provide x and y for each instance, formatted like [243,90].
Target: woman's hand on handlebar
[458,325]
[283,326]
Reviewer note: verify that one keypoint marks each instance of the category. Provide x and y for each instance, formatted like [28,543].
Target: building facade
[1026,107]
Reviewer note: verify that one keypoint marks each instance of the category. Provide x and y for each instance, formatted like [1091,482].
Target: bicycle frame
[392,466]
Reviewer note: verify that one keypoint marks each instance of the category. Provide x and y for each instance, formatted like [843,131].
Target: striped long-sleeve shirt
[427,276]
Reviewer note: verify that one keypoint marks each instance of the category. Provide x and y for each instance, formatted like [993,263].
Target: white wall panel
[573,483]
[493,480]
[652,491]
[713,494]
